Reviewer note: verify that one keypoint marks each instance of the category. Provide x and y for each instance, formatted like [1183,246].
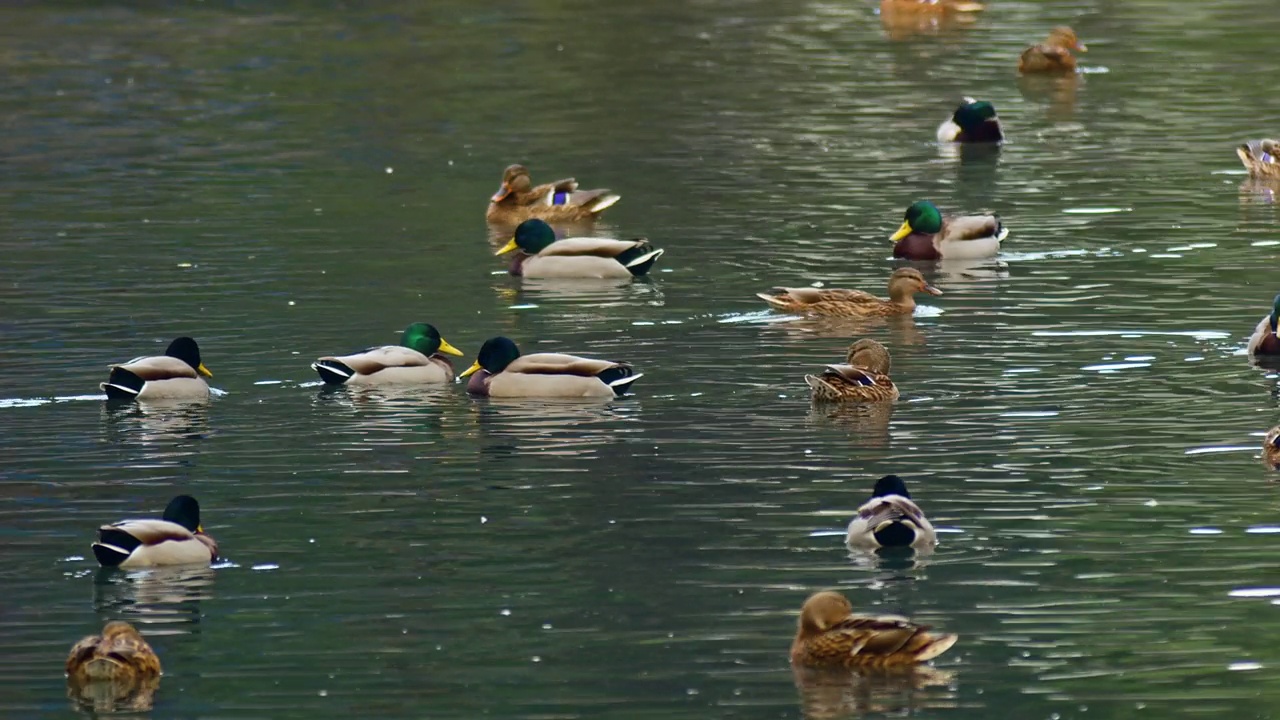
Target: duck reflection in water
[163,594]
[155,422]
[827,693]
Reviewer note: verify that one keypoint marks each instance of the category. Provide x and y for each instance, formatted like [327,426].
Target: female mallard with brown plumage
[518,199]
[1261,158]
[501,371]
[890,519]
[904,283]
[1271,447]
[176,539]
[926,235]
[974,121]
[829,634]
[114,671]
[934,8]
[864,379]
[175,375]
[1264,340]
[541,255]
[1054,54]
[418,359]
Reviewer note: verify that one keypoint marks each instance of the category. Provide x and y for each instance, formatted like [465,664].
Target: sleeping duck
[518,199]
[175,539]
[175,375]
[418,359]
[541,255]
[829,634]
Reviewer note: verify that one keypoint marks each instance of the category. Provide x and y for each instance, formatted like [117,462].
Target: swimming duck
[501,371]
[177,539]
[829,634]
[519,199]
[1054,54]
[864,379]
[1271,447]
[904,283]
[890,519]
[926,235]
[542,256]
[974,121]
[172,376]
[1264,340]
[929,7]
[417,359]
[119,654]
[1261,158]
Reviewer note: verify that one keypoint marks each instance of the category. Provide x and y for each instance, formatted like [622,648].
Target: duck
[519,199]
[973,121]
[929,7]
[1271,447]
[1264,340]
[418,359]
[829,634]
[904,283]
[501,371]
[864,379]
[119,654]
[890,518]
[926,235]
[541,255]
[176,539]
[1054,54]
[175,375]
[1261,158]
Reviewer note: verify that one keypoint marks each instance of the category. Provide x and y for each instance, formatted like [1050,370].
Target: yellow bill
[474,367]
[511,245]
[445,347]
[902,232]
[204,370]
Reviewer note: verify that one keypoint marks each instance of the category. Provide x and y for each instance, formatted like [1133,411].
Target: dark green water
[281,184]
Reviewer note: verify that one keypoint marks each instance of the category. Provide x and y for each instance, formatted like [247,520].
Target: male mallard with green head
[518,199]
[501,371]
[829,634]
[1261,158]
[1054,54]
[864,379]
[926,235]
[172,376]
[1264,340]
[974,121]
[176,539]
[904,283]
[418,359]
[541,255]
[890,519]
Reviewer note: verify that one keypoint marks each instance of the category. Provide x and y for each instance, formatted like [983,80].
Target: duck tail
[619,378]
[822,390]
[777,297]
[114,546]
[122,384]
[1002,232]
[640,258]
[937,645]
[332,372]
[603,202]
[895,533]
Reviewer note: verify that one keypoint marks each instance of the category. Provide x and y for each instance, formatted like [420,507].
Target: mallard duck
[175,375]
[177,539]
[1271,447]
[542,256]
[1264,340]
[1261,158]
[974,121]
[828,634]
[1054,54]
[501,371]
[119,654]
[904,283]
[929,7]
[926,235]
[864,379]
[417,359]
[519,199]
[890,519]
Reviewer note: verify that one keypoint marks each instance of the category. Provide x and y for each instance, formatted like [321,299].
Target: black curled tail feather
[114,546]
[122,384]
[619,377]
[895,534]
[332,372]
[639,259]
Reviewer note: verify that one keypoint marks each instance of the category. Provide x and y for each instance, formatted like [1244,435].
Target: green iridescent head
[922,217]
[531,236]
[426,339]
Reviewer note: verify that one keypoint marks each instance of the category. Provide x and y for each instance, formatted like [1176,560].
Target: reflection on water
[153,597]
[831,694]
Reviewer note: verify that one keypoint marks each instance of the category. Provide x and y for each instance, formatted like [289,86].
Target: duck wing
[972,227]
[598,247]
[370,361]
[890,508]
[144,532]
[158,367]
[790,296]
[561,364]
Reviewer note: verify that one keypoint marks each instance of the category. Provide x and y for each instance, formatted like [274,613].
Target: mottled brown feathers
[829,634]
